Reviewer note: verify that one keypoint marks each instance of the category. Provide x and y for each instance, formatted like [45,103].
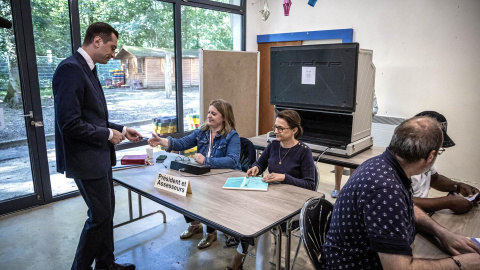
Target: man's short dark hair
[415,138]
[101,29]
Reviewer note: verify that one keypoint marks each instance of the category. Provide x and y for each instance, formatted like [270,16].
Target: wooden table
[260,142]
[466,224]
[242,214]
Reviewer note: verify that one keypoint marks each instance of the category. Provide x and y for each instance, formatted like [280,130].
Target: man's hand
[132,135]
[458,204]
[156,140]
[467,190]
[457,244]
[274,177]
[253,171]
[404,262]
[117,137]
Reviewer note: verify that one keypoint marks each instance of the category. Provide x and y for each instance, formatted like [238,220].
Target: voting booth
[331,86]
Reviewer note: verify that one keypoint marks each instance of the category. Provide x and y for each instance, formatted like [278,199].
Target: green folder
[246,183]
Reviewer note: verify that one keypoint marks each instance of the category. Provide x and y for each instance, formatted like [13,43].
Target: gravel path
[125,106]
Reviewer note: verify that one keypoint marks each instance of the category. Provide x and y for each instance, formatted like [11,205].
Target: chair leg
[296,253]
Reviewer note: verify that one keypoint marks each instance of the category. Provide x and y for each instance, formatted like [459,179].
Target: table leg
[140,211]
[139,205]
[288,233]
[278,263]
[130,211]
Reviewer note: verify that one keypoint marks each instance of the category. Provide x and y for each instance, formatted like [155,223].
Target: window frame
[177,5]
[140,65]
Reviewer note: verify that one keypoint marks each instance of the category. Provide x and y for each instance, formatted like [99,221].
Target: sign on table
[173,184]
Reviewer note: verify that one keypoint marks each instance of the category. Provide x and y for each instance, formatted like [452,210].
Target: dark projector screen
[321,77]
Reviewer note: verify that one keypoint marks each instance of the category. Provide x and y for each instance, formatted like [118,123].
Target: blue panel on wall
[346,35]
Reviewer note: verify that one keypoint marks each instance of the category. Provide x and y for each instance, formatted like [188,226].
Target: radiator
[382,129]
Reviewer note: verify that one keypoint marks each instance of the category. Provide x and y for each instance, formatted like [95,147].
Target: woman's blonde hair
[225,109]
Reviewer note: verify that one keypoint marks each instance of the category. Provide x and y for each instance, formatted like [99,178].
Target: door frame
[22,23]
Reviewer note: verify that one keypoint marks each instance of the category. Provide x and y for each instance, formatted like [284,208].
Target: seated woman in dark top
[289,161]
[218,145]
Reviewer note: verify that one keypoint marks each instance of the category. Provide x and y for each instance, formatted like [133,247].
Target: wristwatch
[456,187]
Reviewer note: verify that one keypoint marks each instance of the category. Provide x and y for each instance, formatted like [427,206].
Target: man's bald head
[415,138]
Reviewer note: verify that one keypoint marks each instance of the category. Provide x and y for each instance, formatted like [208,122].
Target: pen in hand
[245,181]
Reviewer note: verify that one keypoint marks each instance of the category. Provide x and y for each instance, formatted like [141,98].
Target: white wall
[427,55]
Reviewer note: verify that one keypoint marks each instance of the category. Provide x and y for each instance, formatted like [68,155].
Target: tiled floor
[46,237]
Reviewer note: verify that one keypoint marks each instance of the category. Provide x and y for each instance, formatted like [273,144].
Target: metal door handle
[30,114]
[37,123]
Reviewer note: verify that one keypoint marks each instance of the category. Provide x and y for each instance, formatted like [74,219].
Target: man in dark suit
[85,140]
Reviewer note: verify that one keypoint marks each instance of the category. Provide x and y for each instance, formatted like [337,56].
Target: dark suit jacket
[81,122]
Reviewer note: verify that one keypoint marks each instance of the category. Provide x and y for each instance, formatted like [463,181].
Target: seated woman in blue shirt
[218,145]
[289,161]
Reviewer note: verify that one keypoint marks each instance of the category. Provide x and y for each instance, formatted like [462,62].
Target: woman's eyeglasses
[280,129]
[180,158]
[440,151]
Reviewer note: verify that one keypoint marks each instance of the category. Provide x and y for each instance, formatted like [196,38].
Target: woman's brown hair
[225,109]
[293,120]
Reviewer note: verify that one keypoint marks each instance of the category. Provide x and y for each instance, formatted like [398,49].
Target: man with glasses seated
[374,220]
[421,183]
[218,145]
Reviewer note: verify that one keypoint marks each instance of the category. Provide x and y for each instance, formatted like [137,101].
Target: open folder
[246,183]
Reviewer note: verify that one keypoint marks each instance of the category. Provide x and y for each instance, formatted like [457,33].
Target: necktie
[94,70]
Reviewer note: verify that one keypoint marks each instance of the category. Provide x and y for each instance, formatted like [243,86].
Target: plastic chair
[315,220]
[137,85]
[317,178]
[248,153]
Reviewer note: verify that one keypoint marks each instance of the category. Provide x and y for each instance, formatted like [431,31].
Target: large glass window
[15,171]
[51,32]
[203,29]
[139,83]
[231,2]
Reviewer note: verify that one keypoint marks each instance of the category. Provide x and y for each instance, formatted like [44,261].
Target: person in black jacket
[85,140]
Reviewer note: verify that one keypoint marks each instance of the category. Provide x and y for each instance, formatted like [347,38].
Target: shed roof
[152,52]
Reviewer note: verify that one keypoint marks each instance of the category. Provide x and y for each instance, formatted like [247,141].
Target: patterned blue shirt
[373,213]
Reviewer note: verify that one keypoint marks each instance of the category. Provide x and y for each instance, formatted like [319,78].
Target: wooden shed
[150,66]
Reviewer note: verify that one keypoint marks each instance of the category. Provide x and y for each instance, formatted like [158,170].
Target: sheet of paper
[308,75]
[173,184]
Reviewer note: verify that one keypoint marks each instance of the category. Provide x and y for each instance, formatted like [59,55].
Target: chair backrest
[248,153]
[317,178]
[315,220]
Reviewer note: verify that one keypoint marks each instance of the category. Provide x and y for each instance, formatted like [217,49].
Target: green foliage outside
[144,23]
[148,23]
